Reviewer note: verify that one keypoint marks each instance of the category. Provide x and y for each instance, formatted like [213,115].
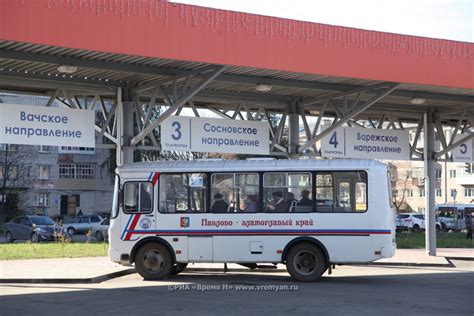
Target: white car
[82,225]
[412,221]
[101,231]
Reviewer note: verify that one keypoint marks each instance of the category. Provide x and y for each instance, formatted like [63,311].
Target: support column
[430,180]
[293,128]
[119,127]
[124,118]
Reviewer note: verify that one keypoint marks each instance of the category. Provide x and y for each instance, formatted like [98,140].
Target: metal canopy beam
[176,105]
[356,111]
[251,80]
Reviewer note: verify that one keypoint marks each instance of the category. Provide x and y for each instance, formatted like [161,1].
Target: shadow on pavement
[414,294]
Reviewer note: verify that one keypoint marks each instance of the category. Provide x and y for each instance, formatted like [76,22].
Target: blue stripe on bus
[262,232]
[126,226]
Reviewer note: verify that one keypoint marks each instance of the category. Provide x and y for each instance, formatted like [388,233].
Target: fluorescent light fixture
[262,87]
[67,69]
[417,101]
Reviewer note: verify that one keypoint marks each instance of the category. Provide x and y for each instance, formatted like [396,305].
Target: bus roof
[457,205]
[213,165]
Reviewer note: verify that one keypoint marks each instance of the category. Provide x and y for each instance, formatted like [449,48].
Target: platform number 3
[177,130]
[333,140]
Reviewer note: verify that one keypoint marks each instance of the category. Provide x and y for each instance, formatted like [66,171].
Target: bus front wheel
[178,268]
[306,262]
[153,262]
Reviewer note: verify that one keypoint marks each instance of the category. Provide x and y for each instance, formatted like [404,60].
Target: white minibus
[307,214]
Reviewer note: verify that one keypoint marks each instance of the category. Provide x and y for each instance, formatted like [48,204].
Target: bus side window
[341,191]
[138,197]
[324,193]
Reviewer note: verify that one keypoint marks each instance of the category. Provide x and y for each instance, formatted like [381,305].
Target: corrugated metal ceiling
[113,77]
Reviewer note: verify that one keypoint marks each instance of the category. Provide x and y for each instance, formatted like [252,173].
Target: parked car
[82,224]
[101,231]
[412,221]
[31,227]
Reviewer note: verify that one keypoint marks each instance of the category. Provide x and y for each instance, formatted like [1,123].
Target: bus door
[350,191]
[200,246]
[137,218]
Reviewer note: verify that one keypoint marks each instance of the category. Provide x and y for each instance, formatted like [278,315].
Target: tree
[399,178]
[13,178]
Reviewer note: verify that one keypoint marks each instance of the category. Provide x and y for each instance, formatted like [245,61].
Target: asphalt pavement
[350,290]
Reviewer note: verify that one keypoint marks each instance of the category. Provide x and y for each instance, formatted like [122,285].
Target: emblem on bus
[145,223]
[184,222]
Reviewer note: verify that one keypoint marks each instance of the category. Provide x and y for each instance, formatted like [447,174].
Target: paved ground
[351,290]
[86,270]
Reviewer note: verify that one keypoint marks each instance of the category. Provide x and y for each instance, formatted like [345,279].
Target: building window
[8,147]
[409,174]
[439,193]
[76,150]
[44,172]
[43,199]
[452,174]
[409,193]
[438,173]
[421,191]
[76,171]
[468,192]
[44,149]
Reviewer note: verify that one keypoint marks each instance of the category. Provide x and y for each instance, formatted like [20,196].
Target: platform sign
[464,152]
[180,133]
[39,125]
[352,142]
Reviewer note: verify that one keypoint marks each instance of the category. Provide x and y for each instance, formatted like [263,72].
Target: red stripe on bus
[155,178]
[132,226]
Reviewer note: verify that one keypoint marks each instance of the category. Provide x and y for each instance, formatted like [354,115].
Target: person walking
[468,223]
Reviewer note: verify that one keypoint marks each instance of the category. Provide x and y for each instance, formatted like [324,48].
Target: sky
[445,19]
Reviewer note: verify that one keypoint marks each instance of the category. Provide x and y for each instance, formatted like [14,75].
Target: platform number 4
[333,140]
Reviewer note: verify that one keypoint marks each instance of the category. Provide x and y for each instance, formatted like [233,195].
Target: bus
[451,215]
[307,214]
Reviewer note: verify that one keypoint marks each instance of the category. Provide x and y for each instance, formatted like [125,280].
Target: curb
[93,280]
[409,264]
[461,258]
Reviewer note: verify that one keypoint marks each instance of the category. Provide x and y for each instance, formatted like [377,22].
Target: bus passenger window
[183,192]
[287,192]
[138,197]
[235,192]
[344,197]
[341,191]
[361,196]
[324,193]
[173,193]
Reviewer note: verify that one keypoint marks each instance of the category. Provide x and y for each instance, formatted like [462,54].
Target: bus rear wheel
[306,262]
[153,262]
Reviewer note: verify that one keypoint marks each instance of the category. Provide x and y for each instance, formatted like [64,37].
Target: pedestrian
[468,223]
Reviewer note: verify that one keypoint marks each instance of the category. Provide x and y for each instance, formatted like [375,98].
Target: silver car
[101,231]
[82,225]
